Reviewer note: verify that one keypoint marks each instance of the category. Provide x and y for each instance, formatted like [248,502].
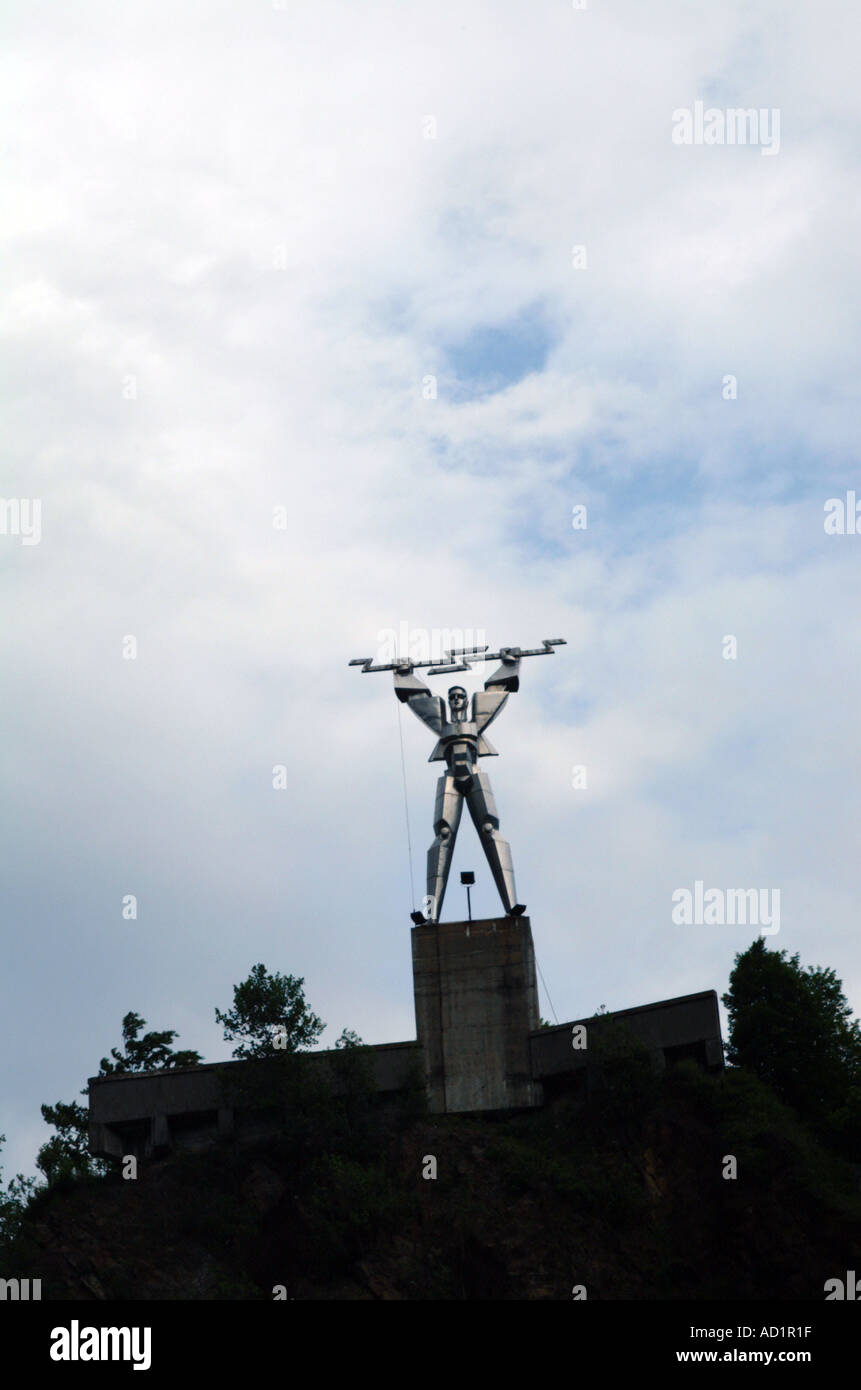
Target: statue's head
[457,699]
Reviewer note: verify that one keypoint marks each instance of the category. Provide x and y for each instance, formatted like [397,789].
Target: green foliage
[66,1156]
[332,1130]
[66,1153]
[317,1101]
[13,1203]
[622,1079]
[778,1155]
[152,1052]
[537,1164]
[269,1016]
[286,1092]
[623,1180]
[336,1206]
[351,1202]
[794,1029]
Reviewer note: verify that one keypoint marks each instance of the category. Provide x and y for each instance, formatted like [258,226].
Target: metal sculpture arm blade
[488,703]
[426,706]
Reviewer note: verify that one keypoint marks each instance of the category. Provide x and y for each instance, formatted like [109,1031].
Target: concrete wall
[687,1025]
[476,1003]
[146,1113]
[480,1048]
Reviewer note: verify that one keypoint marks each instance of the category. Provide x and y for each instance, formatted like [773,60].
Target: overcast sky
[239,241]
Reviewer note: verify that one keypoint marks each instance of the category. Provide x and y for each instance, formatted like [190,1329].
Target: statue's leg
[482,808]
[446,819]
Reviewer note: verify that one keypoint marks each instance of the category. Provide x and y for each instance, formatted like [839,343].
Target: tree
[13,1202]
[794,1029]
[66,1154]
[269,1016]
[152,1052]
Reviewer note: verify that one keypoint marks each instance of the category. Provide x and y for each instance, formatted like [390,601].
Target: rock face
[623,1193]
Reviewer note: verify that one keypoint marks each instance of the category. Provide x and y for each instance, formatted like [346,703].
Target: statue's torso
[465,729]
[461,740]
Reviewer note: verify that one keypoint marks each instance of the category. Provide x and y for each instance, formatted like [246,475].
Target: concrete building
[147,1113]
[479,1047]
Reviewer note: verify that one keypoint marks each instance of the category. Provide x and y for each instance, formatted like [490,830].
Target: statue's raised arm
[426,706]
[488,703]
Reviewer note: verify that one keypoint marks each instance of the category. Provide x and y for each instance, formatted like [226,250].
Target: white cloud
[237,208]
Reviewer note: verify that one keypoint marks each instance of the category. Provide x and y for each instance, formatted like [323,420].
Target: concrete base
[476,1003]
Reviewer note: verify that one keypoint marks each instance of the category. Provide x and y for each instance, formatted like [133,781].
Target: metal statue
[461,742]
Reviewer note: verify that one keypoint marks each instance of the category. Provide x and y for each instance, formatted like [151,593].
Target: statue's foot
[419,918]
[518,910]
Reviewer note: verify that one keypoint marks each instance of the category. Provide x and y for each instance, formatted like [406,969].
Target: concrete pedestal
[476,1004]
